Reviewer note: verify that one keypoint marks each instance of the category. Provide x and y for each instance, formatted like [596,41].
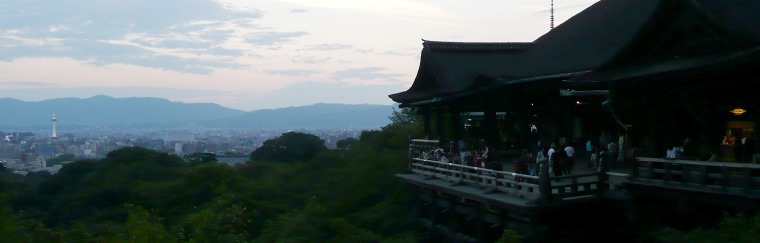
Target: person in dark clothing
[604,140]
[521,166]
[749,148]
[558,161]
[533,139]
[739,149]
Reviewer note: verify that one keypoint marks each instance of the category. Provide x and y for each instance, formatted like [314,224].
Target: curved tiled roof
[584,41]
[609,35]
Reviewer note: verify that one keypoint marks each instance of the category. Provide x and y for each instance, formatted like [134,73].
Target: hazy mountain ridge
[321,115]
[104,110]
[161,113]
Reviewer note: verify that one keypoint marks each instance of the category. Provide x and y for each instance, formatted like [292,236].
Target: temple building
[656,72]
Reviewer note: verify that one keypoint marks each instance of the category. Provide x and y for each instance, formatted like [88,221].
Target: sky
[245,54]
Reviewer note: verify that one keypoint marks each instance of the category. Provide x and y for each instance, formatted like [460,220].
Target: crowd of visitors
[560,155]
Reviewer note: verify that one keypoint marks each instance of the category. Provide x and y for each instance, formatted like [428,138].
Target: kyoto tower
[54,136]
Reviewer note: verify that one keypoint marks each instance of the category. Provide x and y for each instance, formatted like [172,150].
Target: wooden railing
[734,178]
[523,186]
[579,185]
[515,184]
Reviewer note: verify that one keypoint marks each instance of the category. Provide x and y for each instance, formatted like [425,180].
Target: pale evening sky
[242,54]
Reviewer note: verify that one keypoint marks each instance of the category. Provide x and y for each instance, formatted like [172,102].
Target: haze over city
[242,54]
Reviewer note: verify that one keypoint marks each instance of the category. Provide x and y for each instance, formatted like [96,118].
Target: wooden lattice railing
[734,178]
[515,184]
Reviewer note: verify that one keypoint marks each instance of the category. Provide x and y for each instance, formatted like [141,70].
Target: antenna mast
[551,26]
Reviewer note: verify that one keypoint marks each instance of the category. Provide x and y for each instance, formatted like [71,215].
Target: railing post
[748,179]
[604,184]
[411,154]
[725,176]
[544,182]
[667,177]
[634,169]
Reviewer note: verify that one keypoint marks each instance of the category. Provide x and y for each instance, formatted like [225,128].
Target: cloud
[365,51]
[312,92]
[298,10]
[102,53]
[272,38]
[395,53]
[291,72]
[310,59]
[25,84]
[166,33]
[327,47]
[366,73]
[401,9]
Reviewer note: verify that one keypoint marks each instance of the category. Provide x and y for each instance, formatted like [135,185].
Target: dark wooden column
[456,123]
[440,130]
[492,132]
[426,120]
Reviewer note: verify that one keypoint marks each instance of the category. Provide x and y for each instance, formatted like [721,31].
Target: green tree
[510,236]
[731,229]
[289,147]
[141,226]
[405,115]
[347,143]
[200,158]
[60,159]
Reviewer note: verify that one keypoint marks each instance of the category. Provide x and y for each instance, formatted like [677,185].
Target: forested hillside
[140,195]
[293,190]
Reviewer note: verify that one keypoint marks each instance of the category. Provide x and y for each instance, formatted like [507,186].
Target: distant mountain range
[146,113]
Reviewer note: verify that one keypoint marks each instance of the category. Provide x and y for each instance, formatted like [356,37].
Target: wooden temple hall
[652,74]
[657,72]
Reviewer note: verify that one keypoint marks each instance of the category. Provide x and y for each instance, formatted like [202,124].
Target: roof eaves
[552,76]
[475,46]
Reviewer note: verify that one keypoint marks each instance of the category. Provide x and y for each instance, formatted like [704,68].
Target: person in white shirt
[569,160]
[549,155]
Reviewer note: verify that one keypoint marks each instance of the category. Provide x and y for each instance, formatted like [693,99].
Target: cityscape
[24,152]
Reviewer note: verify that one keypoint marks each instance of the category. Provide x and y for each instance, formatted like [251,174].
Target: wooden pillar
[492,132]
[456,129]
[426,120]
[440,131]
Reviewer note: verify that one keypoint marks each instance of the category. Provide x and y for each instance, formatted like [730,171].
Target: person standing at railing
[521,165]
[540,156]
[533,139]
[604,141]
[593,159]
[569,160]
[469,158]
[552,165]
[479,160]
[612,152]
[749,148]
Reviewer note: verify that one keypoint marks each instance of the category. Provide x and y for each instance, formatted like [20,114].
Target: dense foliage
[140,195]
[289,147]
[343,195]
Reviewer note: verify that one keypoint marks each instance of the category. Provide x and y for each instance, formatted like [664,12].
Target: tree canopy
[289,147]
[141,195]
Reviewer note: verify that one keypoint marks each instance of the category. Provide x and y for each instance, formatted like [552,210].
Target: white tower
[54,136]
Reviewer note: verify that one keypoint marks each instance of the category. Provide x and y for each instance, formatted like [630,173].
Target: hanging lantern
[738,111]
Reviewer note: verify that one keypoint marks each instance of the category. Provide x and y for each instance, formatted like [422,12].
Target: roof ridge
[475,45]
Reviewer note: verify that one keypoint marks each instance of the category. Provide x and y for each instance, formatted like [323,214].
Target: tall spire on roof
[551,25]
